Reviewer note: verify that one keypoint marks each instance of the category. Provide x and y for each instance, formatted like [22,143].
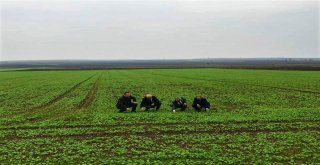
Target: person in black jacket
[150,101]
[179,102]
[126,102]
[200,103]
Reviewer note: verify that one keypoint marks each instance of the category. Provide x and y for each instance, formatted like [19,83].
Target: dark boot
[158,106]
[134,107]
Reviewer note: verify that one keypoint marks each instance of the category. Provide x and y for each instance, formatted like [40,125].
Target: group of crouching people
[129,103]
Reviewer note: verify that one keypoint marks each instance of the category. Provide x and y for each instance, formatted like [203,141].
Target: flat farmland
[69,117]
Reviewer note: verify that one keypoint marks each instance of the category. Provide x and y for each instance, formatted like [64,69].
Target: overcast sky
[158,29]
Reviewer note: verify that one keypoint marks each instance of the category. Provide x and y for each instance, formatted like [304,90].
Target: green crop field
[69,117]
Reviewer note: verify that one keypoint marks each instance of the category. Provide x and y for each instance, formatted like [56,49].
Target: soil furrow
[156,124]
[154,134]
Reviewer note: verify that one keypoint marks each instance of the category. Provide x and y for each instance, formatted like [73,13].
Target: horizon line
[159,59]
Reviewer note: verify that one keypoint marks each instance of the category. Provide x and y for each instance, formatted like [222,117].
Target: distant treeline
[241,63]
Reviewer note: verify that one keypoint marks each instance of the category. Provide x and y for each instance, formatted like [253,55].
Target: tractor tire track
[52,101]
[83,104]
[61,96]
[90,97]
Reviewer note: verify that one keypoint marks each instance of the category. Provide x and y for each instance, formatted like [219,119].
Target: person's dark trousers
[134,107]
[199,109]
[121,108]
[183,107]
[124,108]
[196,108]
[156,105]
[172,106]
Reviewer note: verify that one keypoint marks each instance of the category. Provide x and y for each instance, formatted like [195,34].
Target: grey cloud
[157,29]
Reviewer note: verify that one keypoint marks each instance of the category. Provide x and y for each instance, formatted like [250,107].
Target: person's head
[178,99]
[198,97]
[126,94]
[148,96]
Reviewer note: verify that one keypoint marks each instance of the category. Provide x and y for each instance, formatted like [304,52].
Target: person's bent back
[179,103]
[126,102]
[150,101]
[201,103]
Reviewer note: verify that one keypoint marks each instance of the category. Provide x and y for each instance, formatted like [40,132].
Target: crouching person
[150,101]
[179,103]
[127,102]
[201,103]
